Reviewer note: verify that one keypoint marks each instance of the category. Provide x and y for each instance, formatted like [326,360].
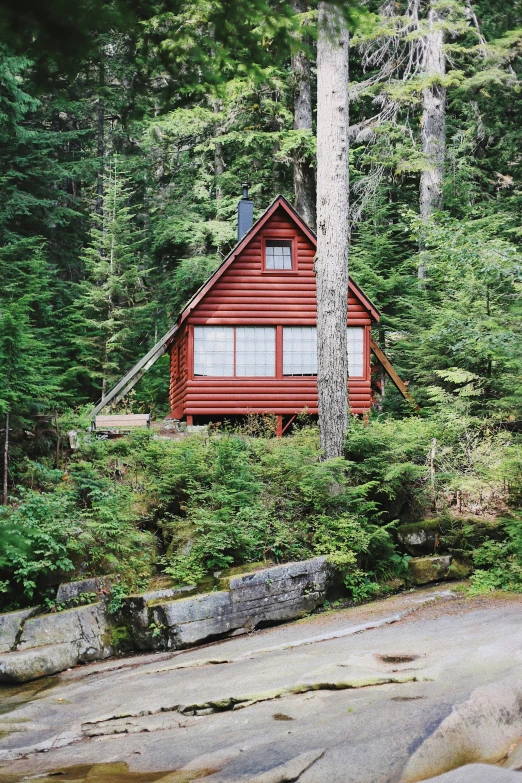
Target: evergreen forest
[127,128]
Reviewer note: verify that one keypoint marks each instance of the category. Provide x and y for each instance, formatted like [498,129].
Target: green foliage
[121,638]
[474,459]
[202,504]
[74,522]
[498,563]
[215,502]
[156,630]
[361,585]
[115,601]
[81,599]
[232,499]
[126,130]
[115,298]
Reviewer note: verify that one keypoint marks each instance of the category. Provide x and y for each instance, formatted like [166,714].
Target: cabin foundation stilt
[190,421]
[279,426]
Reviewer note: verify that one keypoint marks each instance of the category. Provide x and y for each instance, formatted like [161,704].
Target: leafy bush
[499,562]
[478,466]
[231,499]
[74,523]
[201,504]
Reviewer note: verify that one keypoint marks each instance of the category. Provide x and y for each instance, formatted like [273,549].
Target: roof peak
[278,201]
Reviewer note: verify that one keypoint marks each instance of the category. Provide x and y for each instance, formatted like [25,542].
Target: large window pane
[214,350]
[299,350]
[355,340]
[278,254]
[255,350]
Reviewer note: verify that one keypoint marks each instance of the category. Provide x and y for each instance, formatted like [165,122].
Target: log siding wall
[248,295]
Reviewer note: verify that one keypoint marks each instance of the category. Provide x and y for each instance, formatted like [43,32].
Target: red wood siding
[245,294]
[178,374]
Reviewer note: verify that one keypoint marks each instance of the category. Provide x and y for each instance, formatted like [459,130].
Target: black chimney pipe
[245,214]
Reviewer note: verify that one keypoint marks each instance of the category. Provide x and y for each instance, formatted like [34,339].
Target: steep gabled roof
[279,201]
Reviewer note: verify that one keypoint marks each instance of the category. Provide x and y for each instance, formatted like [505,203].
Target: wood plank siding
[243,293]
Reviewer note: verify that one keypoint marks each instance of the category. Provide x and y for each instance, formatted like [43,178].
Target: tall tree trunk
[304,176]
[6,459]
[219,164]
[100,133]
[219,169]
[331,265]
[433,124]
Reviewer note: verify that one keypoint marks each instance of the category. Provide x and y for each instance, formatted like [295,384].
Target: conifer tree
[115,301]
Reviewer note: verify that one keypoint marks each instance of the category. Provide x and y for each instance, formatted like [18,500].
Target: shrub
[499,562]
[79,522]
[205,503]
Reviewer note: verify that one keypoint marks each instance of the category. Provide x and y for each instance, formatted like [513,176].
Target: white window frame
[263,340]
[209,358]
[291,368]
[360,363]
[235,360]
[274,242]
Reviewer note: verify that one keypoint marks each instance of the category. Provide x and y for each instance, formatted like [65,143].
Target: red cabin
[246,342]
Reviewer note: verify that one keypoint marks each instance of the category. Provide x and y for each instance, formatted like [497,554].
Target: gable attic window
[234,351]
[278,254]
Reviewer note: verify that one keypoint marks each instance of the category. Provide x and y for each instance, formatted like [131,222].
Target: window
[278,254]
[355,340]
[255,351]
[299,350]
[213,350]
[242,351]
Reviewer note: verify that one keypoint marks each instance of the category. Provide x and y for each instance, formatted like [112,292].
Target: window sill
[236,377]
[279,271]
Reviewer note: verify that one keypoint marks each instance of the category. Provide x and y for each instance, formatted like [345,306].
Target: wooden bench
[123,421]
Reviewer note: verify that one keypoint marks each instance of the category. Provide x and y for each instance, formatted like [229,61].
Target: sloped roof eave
[259,223]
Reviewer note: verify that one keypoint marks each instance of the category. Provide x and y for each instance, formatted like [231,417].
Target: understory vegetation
[126,132]
[145,505]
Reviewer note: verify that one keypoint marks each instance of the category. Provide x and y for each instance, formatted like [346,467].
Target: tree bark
[433,125]
[219,169]
[331,265]
[100,133]
[6,459]
[219,163]
[304,175]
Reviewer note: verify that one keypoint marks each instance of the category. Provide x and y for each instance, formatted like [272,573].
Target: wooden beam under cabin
[391,372]
[133,376]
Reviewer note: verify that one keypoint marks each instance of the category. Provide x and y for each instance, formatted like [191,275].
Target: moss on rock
[458,570]
[420,538]
[429,569]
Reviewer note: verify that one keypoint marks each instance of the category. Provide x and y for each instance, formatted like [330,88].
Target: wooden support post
[279,426]
[190,421]
[392,374]
[289,423]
